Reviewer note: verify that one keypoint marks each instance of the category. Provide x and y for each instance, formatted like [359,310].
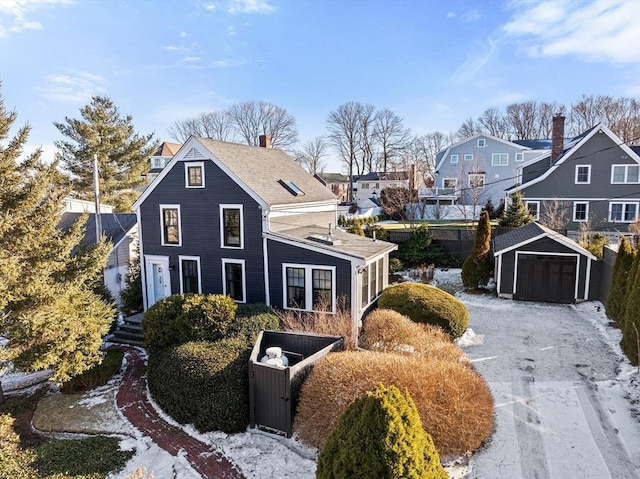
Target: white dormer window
[194,175]
[481,143]
[454,158]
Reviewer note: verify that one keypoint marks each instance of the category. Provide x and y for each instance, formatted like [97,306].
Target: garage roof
[533,232]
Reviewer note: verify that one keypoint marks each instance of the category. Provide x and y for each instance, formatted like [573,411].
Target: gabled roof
[443,154]
[167,149]
[115,226]
[530,233]
[569,149]
[333,177]
[271,176]
[346,245]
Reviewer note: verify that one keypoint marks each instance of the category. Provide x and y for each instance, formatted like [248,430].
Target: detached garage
[535,263]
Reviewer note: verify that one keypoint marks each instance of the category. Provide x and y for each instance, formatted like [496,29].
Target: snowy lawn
[567,402]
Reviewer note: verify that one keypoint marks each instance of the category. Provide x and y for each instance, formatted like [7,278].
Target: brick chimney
[557,138]
[265,141]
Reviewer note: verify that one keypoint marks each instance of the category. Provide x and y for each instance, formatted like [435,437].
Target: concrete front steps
[129,331]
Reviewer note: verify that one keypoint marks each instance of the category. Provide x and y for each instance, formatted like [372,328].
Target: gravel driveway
[561,409]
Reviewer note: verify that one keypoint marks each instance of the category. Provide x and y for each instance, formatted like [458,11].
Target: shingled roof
[115,226]
[270,173]
[531,232]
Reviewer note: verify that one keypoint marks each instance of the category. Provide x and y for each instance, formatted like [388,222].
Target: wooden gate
[546,278]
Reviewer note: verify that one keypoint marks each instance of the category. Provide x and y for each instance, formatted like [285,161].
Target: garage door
[546,278]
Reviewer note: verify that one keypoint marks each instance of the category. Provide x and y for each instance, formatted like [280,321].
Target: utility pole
[96,193]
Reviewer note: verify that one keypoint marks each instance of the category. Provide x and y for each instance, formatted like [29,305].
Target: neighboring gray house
[119,228]
[535,263]
[250,223]
[476,170]
[595,178]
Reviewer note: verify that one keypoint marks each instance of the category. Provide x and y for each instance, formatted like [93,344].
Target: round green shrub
[424,303]
[247,328]
[203,383]
[380,435]
[182,318]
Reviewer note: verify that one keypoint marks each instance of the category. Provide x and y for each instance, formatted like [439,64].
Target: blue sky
[434,63]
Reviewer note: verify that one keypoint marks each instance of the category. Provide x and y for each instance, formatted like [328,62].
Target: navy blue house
[250,223]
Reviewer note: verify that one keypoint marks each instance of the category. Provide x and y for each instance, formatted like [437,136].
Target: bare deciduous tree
[367,138]
[523,119]
[252,119]
[467,129]
[215,124]
[391,135]
[310,157]
[553,214]
[344,134]
[181,130]
[493,122]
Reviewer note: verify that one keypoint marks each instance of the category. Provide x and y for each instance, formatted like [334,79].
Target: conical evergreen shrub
[617,298]
[380,436]
[631,331]
[477,268]
[516,214]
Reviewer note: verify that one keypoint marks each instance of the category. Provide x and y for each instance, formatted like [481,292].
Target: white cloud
[250,6]
[171,48]
[471,16]
[602,30]
[75,89]
[13,14]
[475,61]
[210,7]
[506,98]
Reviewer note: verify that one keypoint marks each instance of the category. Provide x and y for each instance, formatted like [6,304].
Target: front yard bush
[187,317]
[380,435]
[248,327]
[203,383]
[454,402]
[387,330]
[424,303]
[97,375]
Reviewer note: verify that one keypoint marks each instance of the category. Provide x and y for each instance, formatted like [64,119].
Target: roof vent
[291,187]
[324,239]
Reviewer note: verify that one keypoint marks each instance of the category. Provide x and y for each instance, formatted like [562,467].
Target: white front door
[158,279]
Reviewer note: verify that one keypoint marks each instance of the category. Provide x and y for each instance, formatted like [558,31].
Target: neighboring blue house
[594,177]
[476,170]
[250,223]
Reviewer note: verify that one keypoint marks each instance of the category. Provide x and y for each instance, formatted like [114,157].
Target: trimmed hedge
[182,318]
[424,303]
[380,436]
[203,383]
[247,328]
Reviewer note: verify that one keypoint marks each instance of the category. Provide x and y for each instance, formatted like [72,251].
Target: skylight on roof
[291,187]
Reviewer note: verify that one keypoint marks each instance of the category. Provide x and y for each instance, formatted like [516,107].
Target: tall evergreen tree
[48,311]
[123,155]
[478,265]
[616,300]
[631,323]
[516,214]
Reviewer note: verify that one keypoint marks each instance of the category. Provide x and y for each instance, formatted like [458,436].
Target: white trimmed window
[170,225]
[481,143]
[449,182]
[580,211]
[500,159]
[194,175]
[476,180]
[468,157]
[583,174]
[454,158]
[623,212]
[309,287]
[231,226]
[519,156]
[234,283]
[190,277]
[622,174]
[534,208]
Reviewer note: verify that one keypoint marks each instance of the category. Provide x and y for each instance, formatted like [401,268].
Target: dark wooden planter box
[273,390]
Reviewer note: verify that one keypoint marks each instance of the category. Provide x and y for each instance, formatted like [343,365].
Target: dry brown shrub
[141,473]
[454,402]
[388,331]
[323,322]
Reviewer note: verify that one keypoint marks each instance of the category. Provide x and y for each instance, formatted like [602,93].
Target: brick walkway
[133,402]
